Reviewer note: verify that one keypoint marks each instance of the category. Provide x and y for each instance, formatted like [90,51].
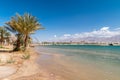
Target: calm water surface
[81,62]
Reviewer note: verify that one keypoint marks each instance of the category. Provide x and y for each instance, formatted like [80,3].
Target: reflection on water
[75,63]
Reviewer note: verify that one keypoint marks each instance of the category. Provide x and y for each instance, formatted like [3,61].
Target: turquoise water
[105,59]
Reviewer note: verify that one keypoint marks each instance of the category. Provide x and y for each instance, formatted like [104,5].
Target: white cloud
[66,35]
[55,36]
[104,32]
[104,29]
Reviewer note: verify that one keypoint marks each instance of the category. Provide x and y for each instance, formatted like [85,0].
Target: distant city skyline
[65,18]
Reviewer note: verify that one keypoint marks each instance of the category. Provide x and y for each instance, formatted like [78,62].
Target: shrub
[1,46]
[10,60]
[26,56]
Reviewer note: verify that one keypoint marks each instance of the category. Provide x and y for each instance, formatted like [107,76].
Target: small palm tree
[24,25]
[7,34]
[3,31]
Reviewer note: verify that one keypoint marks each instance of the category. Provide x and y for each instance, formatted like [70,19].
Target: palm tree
[7,34]
[24,25]
[3,31]
[14,27]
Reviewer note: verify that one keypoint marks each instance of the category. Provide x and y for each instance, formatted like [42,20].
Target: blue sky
[61,17]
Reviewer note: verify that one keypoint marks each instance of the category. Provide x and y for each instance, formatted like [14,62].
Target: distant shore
[61,43]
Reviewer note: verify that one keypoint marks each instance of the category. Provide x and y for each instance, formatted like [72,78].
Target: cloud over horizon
[104,32]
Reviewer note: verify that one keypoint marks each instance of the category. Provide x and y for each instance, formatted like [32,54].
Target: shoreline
[31,70]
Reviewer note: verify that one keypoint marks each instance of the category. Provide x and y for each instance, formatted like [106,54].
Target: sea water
[81,62]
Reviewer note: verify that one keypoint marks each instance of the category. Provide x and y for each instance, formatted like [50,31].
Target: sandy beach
[31,70]
[13,66]
[25,70]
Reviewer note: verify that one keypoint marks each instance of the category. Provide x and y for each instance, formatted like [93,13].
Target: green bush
[10,60]
[26,56]
[1,46]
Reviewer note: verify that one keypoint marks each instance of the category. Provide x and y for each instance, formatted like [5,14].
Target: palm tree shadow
[6,51]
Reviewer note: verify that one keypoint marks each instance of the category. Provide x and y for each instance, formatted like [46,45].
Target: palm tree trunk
[17,46]
[1,39]
[26,42]
[8,41]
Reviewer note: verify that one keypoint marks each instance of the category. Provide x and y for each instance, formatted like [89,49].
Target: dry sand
[25,70]
[19,68]
[6,71]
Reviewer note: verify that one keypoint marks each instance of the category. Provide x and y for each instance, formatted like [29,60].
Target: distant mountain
[102,35]
[93,39]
